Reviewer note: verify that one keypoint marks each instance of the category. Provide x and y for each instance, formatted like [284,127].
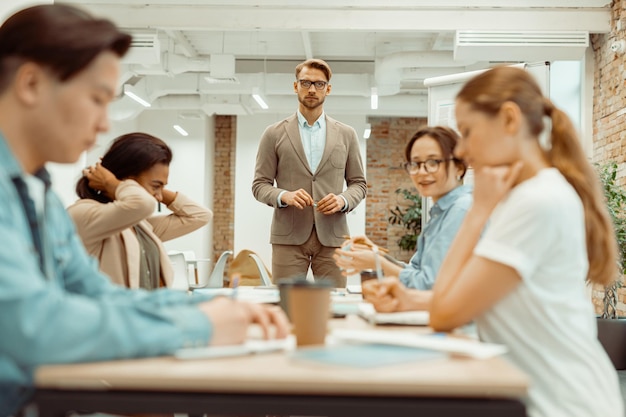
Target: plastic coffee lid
[290,281]
[310,284]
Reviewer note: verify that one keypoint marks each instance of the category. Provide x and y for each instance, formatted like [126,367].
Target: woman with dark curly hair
[115,215]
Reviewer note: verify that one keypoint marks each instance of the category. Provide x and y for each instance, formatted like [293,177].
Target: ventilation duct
[222,69]
[390,70]
[520,46]
[145,49]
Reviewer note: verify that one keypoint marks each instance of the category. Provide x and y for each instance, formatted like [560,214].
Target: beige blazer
[106,229]
[281,158]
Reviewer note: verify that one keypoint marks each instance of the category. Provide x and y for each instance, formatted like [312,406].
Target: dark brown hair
[128,156]
[488,91]
[447,140]
[317,64]
[61,38]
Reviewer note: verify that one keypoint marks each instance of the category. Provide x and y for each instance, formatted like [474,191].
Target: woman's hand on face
[492,184]
[231,319]
[101,179]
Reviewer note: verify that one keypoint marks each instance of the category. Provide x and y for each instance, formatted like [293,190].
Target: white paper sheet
[411,318]
[251,346]
[438,342]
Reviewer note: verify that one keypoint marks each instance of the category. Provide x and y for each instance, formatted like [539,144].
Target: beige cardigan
[106,229]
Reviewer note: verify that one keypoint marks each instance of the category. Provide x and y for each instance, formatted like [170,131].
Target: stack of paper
[438,342]
[251,346]
[261,295]
[411,318]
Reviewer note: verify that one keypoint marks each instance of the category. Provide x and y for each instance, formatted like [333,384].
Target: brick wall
[609,98]
[224,184]
[385,154]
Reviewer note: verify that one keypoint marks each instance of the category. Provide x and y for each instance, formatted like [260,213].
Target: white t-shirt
[548,322]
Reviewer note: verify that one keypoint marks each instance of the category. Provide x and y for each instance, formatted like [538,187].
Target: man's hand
[231,319]
[330,204]
[299,198]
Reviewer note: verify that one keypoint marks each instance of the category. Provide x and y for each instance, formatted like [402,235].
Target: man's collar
[303,122]
[12,167]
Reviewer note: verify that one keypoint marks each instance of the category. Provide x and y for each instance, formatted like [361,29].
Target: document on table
[410,318]
[261,295]
[366,355]
[251,346]
[437,342]
[354,289]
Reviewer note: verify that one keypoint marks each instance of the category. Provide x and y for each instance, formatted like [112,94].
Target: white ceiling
[391,45]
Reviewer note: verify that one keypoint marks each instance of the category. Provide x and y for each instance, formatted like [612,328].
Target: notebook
[354,289]
[407,318]
[251,346]
[365,355]
[436,341]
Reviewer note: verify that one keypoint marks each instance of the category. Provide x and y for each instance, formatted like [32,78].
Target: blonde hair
[488,91]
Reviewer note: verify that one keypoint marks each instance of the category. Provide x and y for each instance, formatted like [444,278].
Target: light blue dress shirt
[72,313]
[313,139]
[434,241]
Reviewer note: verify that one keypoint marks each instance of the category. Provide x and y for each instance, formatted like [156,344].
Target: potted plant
[611,327]
[409,216]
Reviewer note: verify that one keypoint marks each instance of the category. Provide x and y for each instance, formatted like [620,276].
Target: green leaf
[409,216]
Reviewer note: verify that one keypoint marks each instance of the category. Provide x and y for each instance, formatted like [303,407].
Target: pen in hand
[379,269]
[233,295]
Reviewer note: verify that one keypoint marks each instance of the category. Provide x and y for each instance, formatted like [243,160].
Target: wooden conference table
[275,384]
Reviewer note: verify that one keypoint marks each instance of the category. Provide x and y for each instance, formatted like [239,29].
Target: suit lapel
[293,133]
[331,140]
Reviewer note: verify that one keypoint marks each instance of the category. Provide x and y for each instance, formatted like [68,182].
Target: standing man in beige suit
[302,165]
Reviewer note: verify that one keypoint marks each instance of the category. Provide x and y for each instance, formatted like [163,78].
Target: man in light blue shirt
[55,306]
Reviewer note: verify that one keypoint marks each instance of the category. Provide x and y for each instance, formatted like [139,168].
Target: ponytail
[488,91]
[83,190]
[566,154]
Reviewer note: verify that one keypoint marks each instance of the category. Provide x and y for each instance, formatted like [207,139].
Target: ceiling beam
[362,4]
[182,42]
[306,43]
[411,19]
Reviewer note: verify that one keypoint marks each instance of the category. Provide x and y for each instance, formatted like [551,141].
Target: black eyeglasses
[319,85]
[430,165]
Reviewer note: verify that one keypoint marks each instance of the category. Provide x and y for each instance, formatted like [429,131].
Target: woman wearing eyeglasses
[436,174]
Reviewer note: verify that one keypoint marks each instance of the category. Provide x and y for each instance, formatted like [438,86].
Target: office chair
[265,278]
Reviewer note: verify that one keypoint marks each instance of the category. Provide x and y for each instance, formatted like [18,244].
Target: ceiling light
[368,131]
[374,98]
[180,130]
[135,96]
[257,97]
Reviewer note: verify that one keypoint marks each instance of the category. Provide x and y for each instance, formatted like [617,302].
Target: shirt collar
[321,121]
[12,167]
[447,200]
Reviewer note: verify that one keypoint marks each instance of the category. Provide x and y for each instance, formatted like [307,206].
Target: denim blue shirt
[72,312]
[433,243]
